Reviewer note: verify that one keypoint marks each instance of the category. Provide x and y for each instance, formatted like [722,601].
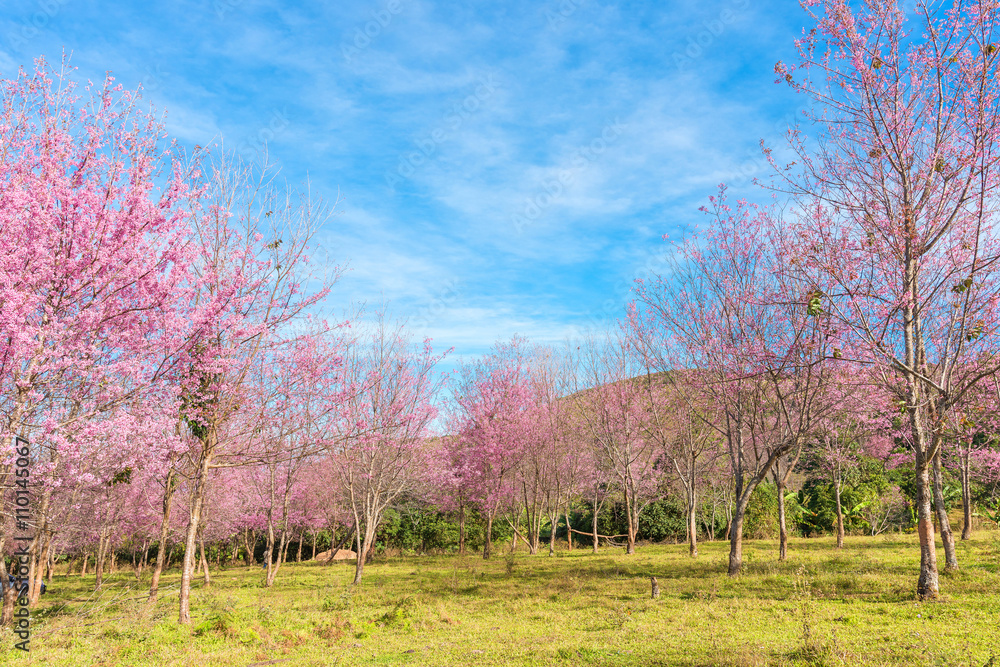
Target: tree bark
[161,552]
[554,523]
[947,537]
[461,529]
[736,542]
[250,547]
[927,583]
[569,531]
[966,499]
[840,509]
[99,561]
[194,521]
[594,526]
[7,591]
[488,541]
[204,561]
[692,524]
[782,524]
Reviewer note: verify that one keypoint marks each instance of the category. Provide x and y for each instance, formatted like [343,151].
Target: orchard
[806,393]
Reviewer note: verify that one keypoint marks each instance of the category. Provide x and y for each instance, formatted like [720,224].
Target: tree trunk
[161,552]
[298,554]
[692,523]
[488,541]
[966,499]
[99,562]
[569,531]
[593,526]
[313,554]
[840,510]
[41,564]
[927,583]
[632,528]
[554,522]
[250,547]
[364,546]
[8,594]
[782,525]
[461,529]
[947,537]
[736,542]
[204,561]
[194,522]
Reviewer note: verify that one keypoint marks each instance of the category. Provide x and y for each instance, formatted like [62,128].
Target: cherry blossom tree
[491,399]
[728,319]
[611,407]
[896,203]
[381,448]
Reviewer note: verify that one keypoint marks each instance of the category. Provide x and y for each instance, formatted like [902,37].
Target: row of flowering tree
[157,354]
[877,273]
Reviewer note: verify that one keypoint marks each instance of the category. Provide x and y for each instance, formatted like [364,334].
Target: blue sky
[504,167]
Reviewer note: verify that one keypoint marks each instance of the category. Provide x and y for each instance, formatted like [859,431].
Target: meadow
[823,606]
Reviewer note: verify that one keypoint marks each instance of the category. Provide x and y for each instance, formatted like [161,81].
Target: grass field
[822,607]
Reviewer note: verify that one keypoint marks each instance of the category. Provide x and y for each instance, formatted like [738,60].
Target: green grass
[822,607]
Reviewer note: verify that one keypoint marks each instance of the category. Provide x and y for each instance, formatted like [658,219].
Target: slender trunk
[782,526]
[569,531]
[461,529]
[593,526]
[8,594]
[83,570]
[194,521]
[736,542]
[250,547]
[736,529]
[554,521]
[313,553]
[927,583]
[632,525]
[840,509]
[966,498]
[161,552]
[692,523]
[947,537]
[99,562]
[298,553]
[41,564]
[488,541]
[365,546]
[204,561]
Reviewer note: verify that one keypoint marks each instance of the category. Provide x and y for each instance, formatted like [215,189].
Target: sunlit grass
[821,607]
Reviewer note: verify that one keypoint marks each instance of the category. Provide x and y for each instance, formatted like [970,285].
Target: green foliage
[663,520]
[863,486]
[761,518]
[660,521]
